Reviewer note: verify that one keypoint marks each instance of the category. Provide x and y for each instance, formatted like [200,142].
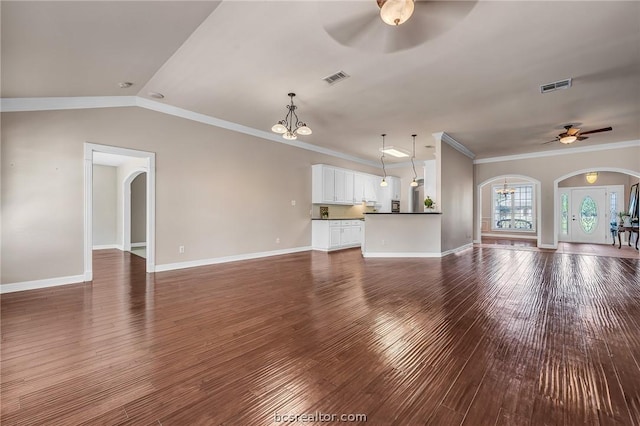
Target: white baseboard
[226,259]
[107,247]
[401,254]
[49,282]
[517,236]
[143,244]
[457,249]
[417,254]
[548,246]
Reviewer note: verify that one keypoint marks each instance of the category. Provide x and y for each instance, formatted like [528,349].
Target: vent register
[557,85]
[334,78]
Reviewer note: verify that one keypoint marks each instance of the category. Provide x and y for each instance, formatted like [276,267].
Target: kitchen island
[402,235]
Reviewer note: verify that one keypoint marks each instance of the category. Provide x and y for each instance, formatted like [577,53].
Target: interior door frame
[89,149]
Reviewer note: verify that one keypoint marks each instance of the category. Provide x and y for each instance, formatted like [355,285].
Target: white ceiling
[475,74]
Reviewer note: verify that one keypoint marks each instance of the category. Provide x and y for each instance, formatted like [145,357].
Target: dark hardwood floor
[484,337]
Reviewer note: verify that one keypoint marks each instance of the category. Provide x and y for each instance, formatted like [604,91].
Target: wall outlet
[181,249]
[293,202]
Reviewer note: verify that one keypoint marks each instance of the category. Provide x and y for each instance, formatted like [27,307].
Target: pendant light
[384,171]
[413,156]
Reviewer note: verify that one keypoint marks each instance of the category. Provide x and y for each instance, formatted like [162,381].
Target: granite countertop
[338,218]
[405,213]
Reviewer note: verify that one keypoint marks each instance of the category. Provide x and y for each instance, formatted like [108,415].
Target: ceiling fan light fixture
[395,12]
[568,139]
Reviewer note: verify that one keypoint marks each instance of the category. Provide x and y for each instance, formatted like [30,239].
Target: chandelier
[413,156]
[291,126]
[505,190]
[395,12]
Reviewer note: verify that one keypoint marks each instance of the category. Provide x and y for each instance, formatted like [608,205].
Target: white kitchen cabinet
[331,185]
[358,188]
[395,185]
[371,185]
[328,235]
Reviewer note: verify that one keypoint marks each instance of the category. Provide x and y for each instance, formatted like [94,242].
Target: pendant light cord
[415,174]
[384,171]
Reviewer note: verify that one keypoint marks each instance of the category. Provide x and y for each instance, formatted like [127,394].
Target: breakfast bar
[402,235]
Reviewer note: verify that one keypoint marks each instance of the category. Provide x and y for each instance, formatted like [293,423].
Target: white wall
[219,193]
[104,205]
[455,196]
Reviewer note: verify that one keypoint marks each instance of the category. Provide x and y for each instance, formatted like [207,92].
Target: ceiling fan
[572,134]
[384,26]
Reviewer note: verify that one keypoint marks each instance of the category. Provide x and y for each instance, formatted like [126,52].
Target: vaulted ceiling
[471,69]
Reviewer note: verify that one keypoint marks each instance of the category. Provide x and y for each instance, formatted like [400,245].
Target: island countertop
[367,213]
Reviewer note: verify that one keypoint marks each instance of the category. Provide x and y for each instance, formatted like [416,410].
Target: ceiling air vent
[334,78]
[550,87]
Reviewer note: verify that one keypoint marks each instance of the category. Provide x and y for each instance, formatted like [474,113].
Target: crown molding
[592,148]
[446,138]
[88,102]
[50,104]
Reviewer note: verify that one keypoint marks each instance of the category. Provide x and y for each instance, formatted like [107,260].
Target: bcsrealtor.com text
[319,417]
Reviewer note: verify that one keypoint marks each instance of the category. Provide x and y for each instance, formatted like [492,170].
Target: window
[564,218]
[513,211]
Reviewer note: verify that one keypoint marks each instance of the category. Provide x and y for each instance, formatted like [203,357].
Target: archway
[499,179]
[556,224]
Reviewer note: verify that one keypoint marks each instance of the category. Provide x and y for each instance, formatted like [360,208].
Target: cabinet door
[394,183]
[339,186]
[356,234]
[335,234]
[328,185]
[348,187]
[358,188]
[345,239]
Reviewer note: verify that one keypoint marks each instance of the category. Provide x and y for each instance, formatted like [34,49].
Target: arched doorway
[484,200]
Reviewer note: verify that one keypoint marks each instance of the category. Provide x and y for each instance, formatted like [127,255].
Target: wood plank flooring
[483,337]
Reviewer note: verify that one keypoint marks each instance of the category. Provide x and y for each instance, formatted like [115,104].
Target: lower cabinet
[336,234]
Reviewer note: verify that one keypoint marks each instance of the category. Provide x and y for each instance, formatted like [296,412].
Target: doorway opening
[119,203]
[514,216]
[586,212]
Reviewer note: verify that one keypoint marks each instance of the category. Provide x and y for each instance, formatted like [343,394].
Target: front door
[588,216]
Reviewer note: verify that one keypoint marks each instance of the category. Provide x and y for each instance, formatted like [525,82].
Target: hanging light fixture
[505,190]
[291,126]
[413,156]
[395,12]
[591,177]
[567,139]
[384,171]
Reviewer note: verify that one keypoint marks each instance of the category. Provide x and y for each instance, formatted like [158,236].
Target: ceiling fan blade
[357,25]
[604,129]
[555,140]
[581,138]
[572,131]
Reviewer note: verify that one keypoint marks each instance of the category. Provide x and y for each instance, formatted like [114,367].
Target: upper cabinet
[333,185]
